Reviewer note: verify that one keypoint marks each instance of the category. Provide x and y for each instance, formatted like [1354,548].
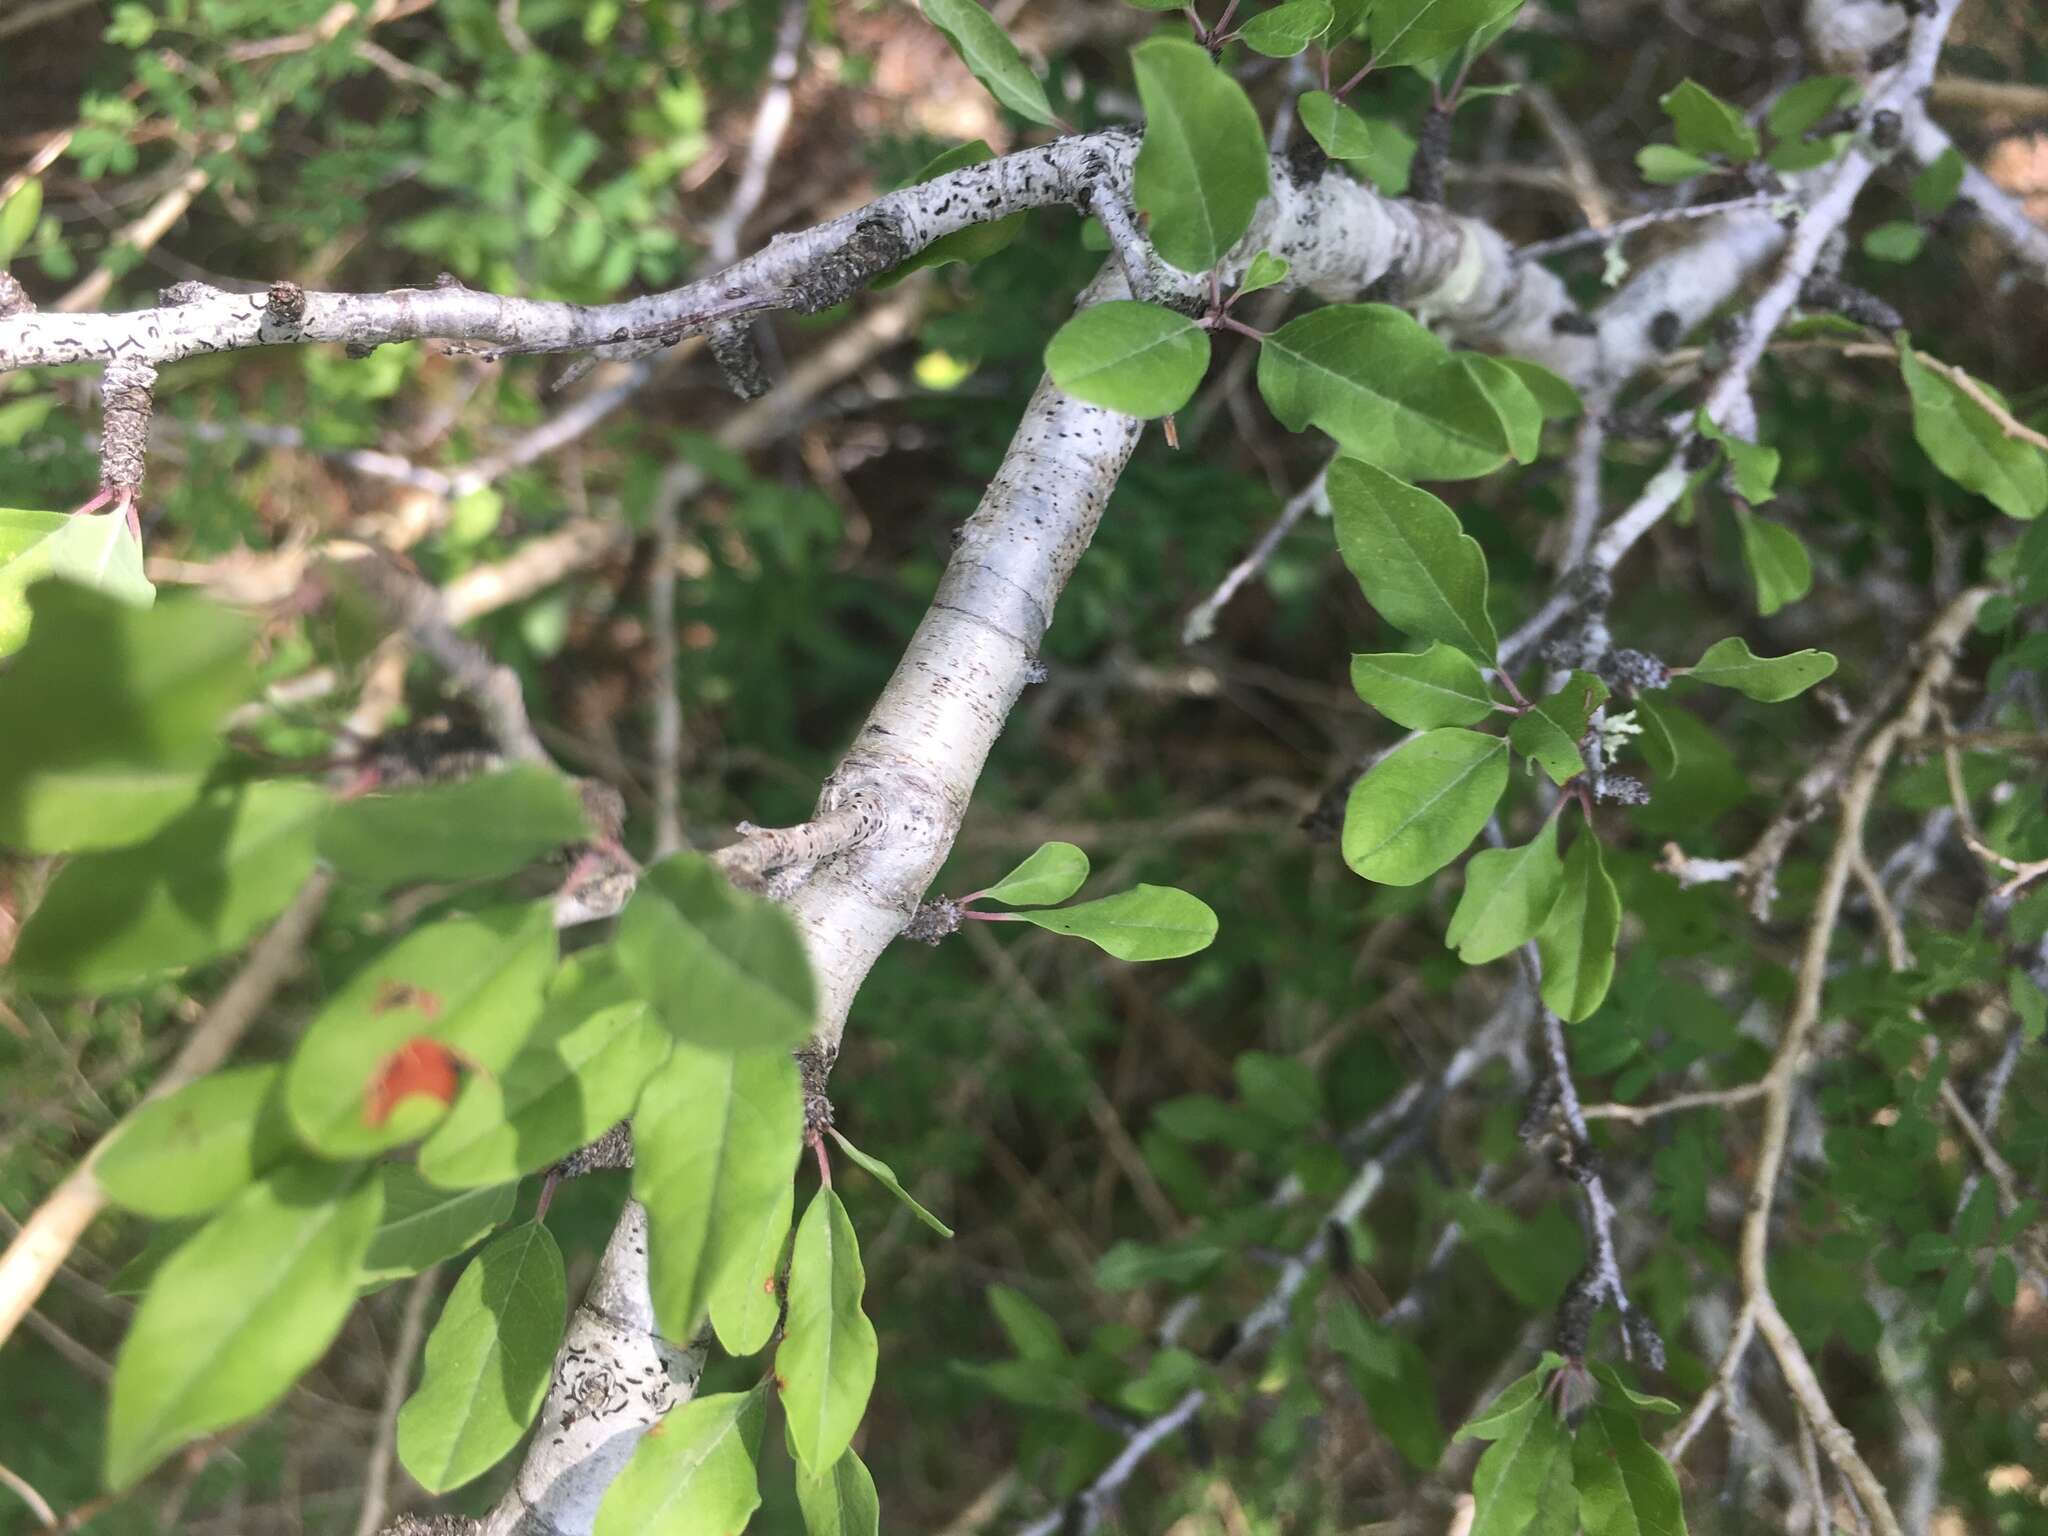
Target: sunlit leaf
[1147,922]
[1421,805]
[488,1361]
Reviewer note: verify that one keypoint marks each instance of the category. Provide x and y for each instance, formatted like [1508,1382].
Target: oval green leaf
[1777,561]
[1053,873]
[986,49]
[1508,894]
[596,1046]
[693,1474]
[239,1312]
[112,716]
[840,1501]
[1419,569]
[746,1303]
[192,1149]
[1968,445]
[1707,125]
[1147,922]
[487,1362]
[1202,167]
[423,1226]
[1387,390]
[826,1363]
[471,984]
[715,1139]
[1422,804]
[1286,29]
[1340,132]
[1423,690]
[471,829]
[1551,732]
[197,890]
[1576,942]
[1127,356]
[1767,679]
[725,970]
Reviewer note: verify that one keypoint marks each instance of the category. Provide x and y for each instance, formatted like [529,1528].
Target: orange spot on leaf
[420,1066]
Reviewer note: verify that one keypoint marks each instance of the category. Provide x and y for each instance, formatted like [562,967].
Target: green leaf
[1935,188]
[1419,569]
[1767,679]
[1755,466]
[198,889]
[1707,125]
[1804,104]
[239,1312]
[1029,1327]
[1610,1378]
[1266,270]
[841,1501]
[1625,1487]
[724,969]
[1422,690]
[1664,165]
[1777,562]
[470,829]
[693,1474]
[112,716]
[1422,804]
[470,984]
[422,1226]
[596,1045]
[1387,390]
[1576,942]
[890,1182]
[826,1363]
[1053,873]
[1521,418]
[1551,732]
[1508,893]
[975,243]
[1554,397]
[487,1362]
[1514,1479]
[1393,1376]
[1416,31]
[1202,167]
[1340,132]
[746,1304]
[1660,747]
[190,1150]
[1967,444]
[1498,1418]
[1287,29]
[1809,154]
[18,218]
[715,1139]
[94,550]
[1147,922]
[1128,356]
[1894,241]
[987,50]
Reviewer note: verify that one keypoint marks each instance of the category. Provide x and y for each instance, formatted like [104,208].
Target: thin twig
[412,1328]
[38,1505]
[1201,621]
[1625,227]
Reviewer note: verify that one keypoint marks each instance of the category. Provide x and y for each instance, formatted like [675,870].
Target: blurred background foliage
[1104,1139]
